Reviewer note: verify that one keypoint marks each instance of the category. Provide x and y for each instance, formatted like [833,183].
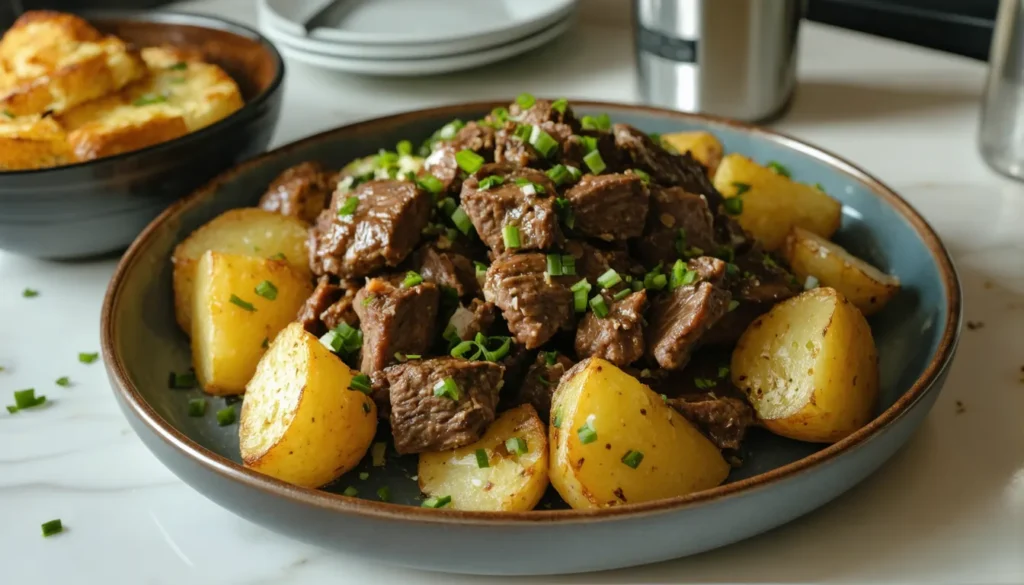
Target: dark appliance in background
[958,26]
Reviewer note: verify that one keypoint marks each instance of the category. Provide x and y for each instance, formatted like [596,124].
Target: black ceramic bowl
[100,206]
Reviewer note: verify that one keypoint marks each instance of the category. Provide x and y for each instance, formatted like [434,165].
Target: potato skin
[250,231]
[868,288]
[300,423]
[809,367]
[773,203]
[227,339]
[703,146]
[627,416]
[511,483]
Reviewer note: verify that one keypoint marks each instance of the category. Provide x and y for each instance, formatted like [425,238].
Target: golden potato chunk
[300,422]
[703,146]
[614,441]
[505,471]
[810,255]
[810,368]
[774,203]
[240,303]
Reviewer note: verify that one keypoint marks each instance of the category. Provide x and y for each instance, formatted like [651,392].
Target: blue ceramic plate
[781,479]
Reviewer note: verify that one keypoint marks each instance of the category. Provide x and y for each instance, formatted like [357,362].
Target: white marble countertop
[947,509]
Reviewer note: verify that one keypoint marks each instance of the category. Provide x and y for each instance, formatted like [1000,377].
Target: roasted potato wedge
[509,482]
[300,421]
[773,203]
[614,441]
[809,367]
[240,303]
[702,145]
[249,231]
[867,287]
[32,142]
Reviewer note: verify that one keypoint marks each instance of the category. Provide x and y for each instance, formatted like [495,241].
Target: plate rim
[184,446]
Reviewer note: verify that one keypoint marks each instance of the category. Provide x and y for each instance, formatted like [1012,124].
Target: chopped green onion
[148,99]
[810,282]
[544,381]
[820,187]
[589,143]
[594,162]
[516,445]
[681,275]
[243,304]
[568,265]
[360,383]
[278,256]
[587,433]
[447,205]
[469,161]
[411,279]
[404,148]
[704,383]
[726,253]
[609,279]
[12,408]
[769,262]
[559,105]
[559,174]
[564,210]
[723,371]
[468,350]
[601,122]
[550,357]
[384,493]
[481,269]
[778,168]
[733,205]
[413,356]
[556,421]
[88,358]
[27,398]
[525,101]
[681,243]
[447,388]
[622,294]
[500,114]
[267,290]
[523,132]
[450,129]
[29,293]
[197,407]
[265,343]
[644,176]
[364,475]
[377,452]
[366,407]
[554,264]
[510,234]
[543,142]
[349,207]
[461,220]
[490,181]
[63,381]
[350,492]
[574,172]
[481,459]
[732,269]
[436,502]
[599,306]
[52,527]
[351,338]
[741,188]
[226,416]
[503,349]
[633,458]
[182,381]
[430,184]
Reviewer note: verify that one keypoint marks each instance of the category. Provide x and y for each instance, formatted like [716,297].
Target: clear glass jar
[1001,133]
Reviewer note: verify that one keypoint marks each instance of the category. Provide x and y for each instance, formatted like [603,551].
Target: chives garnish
[430,184]
[469,161]
[681,275]
[568,265]
[411,279]
[197,407]
[681,243]
[447,388]
[587,433]
[510,234]
[741,188]
[704,383]
[525,101]
[461,220]
[12,408]
[265,343]
[599,307]
[332,341]
[377,452]
[88,358]
[27,398]
[267,290]
[404,148]
[557,419]
[384,493]
[481,268]
[543,142]
[436,502]
[148,99]
[366,407]
[636,285]
[726,253]
[633,458]
[646,178]
[559,174]
[732,305]
[279,256]
[529,187]
[490,181]
[464,348]
[350,492]
[29,293]
[517,445]
[622,294]
[360,383]
[733,205]
[179,66]
[349,207]
[447,205]
[500,114]
[63,381]
[820,187]
[364,475]
[655,281]
[226,416]
[609,279]
[559,105]
[554,264]
[732,269]
[239,302]
[574,172]
[601,122]
[594,162]
[52,527]
[450,129]
[523,132]
[550,357]
[481,459]
[580,290]
[778,168]
[497,354]
[723,371]
[564,210]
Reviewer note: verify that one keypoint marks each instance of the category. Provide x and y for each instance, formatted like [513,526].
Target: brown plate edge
[385,511]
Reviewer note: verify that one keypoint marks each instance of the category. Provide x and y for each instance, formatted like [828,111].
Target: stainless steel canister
[1001,132]
[734,58]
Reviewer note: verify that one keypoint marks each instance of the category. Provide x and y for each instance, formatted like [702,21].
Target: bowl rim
[176,17]
[339,504]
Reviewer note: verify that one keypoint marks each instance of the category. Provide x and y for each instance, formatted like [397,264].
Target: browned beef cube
[324,295]
[441,163]
[382,230]
[723,419]
[529,207]
[617,337]
[541,380]
[301,191]
[592,262]
[757,284]
[534,305]
[665,168]
[467,321]
[679,319]
[541,111]
[343,310]
[395,319]
[447,268]
[609,207]
[680,223]
[423,421]
[513,149]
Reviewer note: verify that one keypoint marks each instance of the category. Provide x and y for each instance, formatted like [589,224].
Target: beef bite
[541,380]
[724,419]
[618,336]
[441,162]
[529,110]
[609,207]
[447,268]
[329,306]
[591,262]
[664,167]
[395,320]
[469,320]
[440,403]
[301,191]
[377,225]
[512,208]
[535,305]
[678,223]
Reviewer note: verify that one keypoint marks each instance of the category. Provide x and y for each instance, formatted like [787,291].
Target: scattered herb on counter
[704,383]
[960,407]
[88,358]
[63,381]
[52,527]
[29,293]
[723,371]
[973,325]
[27,399]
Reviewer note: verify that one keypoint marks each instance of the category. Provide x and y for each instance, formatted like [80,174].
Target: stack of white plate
[411,37]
